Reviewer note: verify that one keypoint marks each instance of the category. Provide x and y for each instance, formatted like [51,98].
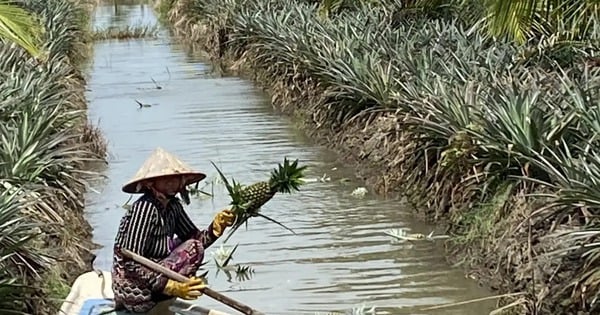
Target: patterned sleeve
[136,228]
[186,229]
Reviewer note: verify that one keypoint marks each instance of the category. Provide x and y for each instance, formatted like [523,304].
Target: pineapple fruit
[247,201]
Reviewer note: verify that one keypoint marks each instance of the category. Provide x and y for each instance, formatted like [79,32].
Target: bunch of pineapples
[246,201]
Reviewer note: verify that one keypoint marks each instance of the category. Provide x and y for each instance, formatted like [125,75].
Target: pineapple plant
[246,201]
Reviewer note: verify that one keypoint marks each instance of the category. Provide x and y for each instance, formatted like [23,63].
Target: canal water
[339,258]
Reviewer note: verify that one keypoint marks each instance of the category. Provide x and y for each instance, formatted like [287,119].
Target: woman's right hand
[222,220]
[190,290]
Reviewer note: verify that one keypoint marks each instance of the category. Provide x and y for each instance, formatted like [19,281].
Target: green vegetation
[125,33]
[46,142]
[483,113]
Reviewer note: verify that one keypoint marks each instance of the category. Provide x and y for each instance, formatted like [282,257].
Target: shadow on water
[339,258]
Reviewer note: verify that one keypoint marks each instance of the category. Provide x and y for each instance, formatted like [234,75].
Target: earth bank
[430,110]
[48,147]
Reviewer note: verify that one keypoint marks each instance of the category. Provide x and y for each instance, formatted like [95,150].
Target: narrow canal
[340,257]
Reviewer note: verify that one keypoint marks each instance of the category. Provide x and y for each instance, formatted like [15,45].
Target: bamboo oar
[245,309]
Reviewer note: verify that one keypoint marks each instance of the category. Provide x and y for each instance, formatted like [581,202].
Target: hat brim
[193,177]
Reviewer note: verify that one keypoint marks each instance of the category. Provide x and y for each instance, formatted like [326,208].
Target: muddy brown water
[340,257]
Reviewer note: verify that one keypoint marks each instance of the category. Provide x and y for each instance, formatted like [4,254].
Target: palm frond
[20,26]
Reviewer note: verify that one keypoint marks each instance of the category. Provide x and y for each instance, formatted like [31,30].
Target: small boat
[91,294]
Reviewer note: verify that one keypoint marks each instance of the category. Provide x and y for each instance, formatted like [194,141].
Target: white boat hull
[91,294]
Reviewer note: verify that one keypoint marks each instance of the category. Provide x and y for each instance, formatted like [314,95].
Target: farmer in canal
[158,228]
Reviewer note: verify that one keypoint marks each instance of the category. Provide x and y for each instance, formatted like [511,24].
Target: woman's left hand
[222,220]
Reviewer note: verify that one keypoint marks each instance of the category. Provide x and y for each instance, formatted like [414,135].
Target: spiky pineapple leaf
[244,221]
[235,227]
[236,195]
[276,222]
[233,189]
[287,177]
[230,256]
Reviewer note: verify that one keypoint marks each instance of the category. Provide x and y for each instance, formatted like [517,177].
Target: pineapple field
[488,126]
[47,144]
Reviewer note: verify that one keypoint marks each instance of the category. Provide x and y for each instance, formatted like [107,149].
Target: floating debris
[198,192]
[156,85]
[321,179]
[401,234]
[222,256]
[359,192]
[324,178]
[361,310]
[140,104]
[242,273]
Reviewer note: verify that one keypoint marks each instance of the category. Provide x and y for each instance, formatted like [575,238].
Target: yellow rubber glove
[222,220]
[190,290]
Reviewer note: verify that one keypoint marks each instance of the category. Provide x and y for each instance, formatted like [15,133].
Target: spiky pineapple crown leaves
[286,178]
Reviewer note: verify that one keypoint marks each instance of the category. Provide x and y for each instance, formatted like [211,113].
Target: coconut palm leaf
[20,26]
[519,19]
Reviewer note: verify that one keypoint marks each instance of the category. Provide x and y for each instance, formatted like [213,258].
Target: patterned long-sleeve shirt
[146,229]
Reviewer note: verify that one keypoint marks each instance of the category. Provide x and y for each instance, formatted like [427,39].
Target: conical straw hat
[161,163]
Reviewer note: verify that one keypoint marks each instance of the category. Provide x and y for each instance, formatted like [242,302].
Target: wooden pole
[245,309]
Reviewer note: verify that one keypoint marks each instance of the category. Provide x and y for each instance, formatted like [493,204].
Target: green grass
[56,288]
[477,225]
